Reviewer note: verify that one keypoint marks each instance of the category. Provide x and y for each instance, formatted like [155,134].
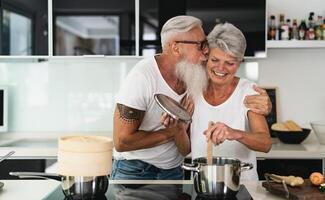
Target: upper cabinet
[115,27]
[249,16]
[97,27]
[23,27]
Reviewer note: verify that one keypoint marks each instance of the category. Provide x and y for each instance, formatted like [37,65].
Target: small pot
[221,179]
[73,187]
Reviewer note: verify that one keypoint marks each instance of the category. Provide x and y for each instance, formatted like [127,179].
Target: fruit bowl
[292,137]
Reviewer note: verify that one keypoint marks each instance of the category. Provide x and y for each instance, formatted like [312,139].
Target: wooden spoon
[210,148]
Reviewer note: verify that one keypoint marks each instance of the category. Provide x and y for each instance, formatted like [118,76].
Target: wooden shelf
[296,44]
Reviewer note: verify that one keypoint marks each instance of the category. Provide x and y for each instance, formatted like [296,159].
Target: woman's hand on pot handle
[219,132]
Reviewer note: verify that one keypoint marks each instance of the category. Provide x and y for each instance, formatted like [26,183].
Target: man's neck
[167,68]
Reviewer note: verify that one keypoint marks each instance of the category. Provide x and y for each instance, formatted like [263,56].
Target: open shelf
[295,44]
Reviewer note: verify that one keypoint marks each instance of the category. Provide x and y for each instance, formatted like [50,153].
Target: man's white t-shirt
[137,91]
[234,114]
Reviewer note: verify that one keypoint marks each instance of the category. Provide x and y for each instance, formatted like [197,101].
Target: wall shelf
[296,44]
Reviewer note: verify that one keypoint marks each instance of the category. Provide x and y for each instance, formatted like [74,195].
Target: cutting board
[304,192]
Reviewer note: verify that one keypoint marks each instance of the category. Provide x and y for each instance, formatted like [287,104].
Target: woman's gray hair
[229,39]
[176,25]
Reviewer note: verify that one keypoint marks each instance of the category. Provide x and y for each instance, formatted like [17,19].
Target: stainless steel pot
[221,179]
[74,187]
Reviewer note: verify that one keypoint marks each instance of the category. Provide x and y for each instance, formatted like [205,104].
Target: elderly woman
[235,130]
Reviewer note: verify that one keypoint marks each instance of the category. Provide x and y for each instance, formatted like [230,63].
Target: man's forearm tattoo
[129,115]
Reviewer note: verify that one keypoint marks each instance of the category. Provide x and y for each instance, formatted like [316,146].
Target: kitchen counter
[43,145]
[27,189]
[40,189]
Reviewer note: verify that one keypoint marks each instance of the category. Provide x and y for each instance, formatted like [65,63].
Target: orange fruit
[316,178]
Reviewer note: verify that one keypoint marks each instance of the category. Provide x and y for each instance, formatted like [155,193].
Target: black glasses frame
[201,44]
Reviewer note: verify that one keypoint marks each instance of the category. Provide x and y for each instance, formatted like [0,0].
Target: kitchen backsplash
[78,94]
[63,95]
[68,94]
[299,75]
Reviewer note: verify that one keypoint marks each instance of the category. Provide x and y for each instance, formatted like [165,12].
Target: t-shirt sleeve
[134,91]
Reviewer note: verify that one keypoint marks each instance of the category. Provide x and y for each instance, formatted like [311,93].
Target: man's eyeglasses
[201,44]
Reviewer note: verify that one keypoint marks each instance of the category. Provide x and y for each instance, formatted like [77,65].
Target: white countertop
[43,145]
[39,189]
[27,189]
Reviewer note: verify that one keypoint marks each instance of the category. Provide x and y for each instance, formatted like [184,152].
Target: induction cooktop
[151,192]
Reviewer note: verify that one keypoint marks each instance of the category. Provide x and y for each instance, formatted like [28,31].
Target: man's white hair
[176,25]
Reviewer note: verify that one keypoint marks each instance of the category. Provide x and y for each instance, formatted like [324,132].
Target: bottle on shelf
[295,30]
[311,21]
[284,28]
[272,29]
[310,33]
[279,29]
[302,30]
[323,26]
[319,28]
[288,22]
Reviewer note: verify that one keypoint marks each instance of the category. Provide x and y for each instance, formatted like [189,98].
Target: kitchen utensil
[75,187]
[221,179]
[209,148]
[6,156]
[305,191]
[292,137]
[209,152]
[173,108]
[319,129]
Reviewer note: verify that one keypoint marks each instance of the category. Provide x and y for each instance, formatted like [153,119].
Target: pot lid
[173,108]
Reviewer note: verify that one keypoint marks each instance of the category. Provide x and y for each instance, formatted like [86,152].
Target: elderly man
[144,148]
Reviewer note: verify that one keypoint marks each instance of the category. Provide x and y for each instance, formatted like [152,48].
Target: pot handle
[246,166]
[191,167]
[36,175]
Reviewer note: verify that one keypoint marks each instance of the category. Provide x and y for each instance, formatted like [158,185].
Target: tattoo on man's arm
[129,115]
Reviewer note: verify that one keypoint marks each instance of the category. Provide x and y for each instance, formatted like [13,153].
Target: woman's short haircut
[176,25]
[229,39]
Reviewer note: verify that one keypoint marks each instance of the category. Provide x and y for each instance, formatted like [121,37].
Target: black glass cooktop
[151,192]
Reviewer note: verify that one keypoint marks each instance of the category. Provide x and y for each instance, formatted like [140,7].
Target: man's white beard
[194,76]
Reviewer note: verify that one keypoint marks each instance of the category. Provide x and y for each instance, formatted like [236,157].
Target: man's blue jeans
[139,170]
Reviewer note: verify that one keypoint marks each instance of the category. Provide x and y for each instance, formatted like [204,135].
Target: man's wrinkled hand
[259,103]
